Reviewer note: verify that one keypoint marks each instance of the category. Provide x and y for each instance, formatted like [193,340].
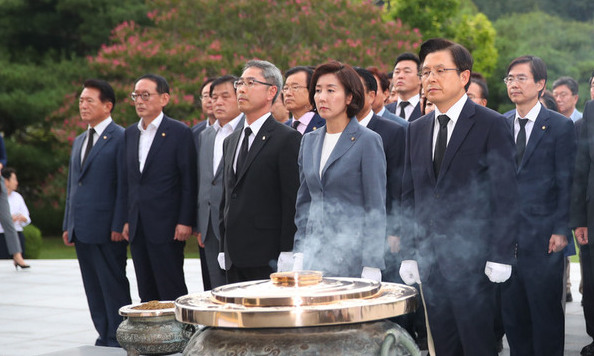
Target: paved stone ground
[44,310]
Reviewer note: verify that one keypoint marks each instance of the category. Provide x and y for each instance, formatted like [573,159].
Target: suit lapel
[345,142]
[260,140]
[426,128]
[160,137]
[135,140]
[538,131]
[237,130]
[207,144]
[316,152]
[98,146]
[77,152]
[461,129]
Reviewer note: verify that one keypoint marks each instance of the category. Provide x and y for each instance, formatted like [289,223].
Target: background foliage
[48,47]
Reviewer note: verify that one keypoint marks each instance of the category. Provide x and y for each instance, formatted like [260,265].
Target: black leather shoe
[499,345]
[588,350]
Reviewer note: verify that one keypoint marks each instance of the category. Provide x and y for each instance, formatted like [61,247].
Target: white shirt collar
[413,101]
[154,124]
[256,125]
[365,121]
[532,114]
[100,127]
[454,112]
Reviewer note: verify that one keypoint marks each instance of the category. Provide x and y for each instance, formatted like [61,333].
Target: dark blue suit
[458,221]
[158,199]
[94,208]
[315,123]
[531,300]
[416,113]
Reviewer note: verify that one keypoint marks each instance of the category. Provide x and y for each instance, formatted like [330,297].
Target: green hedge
[33,241]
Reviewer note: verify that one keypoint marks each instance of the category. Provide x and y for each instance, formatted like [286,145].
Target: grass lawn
[54,249]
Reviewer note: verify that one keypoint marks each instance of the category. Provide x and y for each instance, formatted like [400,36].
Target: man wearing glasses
[160,187]
[296,97]
[260,182]
[458,198]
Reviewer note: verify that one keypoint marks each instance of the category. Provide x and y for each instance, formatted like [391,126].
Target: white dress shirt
[146,139]
[531,116]
[412,103]
[99,128]
[17,206]
[365,121]
[255,126]
[222,133]
[330,141]
[453,113]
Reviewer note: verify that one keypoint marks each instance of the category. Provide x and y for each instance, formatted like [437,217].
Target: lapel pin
[544,127]
[352,138]
[163,134]
[105,137]
[263,138]
[315,128]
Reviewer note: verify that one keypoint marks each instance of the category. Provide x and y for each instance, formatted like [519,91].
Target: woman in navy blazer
[340,209]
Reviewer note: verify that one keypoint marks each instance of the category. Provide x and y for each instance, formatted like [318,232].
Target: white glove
[409,272]
[285,262]
[221,260]
[498,272]
[298,261]
[372,273]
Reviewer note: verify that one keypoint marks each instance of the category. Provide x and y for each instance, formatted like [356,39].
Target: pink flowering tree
[192,40]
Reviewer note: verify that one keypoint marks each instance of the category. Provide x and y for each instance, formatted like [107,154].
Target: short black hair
[408,56]
[461,56]
[549,101]
[162,86]
[221,80]
[369,81]
[308,70]
[206,82]
[106,93]
[538,68]
[383,78]
[478,79]
[569,82]
[7,172]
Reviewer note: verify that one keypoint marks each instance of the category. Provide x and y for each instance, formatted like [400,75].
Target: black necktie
[402,105]
[89,144]
[295,124]
[243,151]
[521,141]
[441,143]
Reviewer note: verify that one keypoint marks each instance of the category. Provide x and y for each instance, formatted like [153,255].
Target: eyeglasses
[510,79]
[437,72]
[293,88]
[248,82]
[144,96]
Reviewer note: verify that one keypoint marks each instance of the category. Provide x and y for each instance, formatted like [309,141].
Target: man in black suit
[458,197]
[296,99]
[260,180]
[93,216]
[160,164]
[533,315]
[582,216]
[406,82]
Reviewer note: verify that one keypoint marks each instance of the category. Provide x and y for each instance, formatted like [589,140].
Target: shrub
[33,241]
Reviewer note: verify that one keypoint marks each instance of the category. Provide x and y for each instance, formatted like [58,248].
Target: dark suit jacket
[544,181]
[210,186]
[257,221]
[393,140]
[164,194]
[315,123]
[197,130]
[582,195]
[397,119]
[94,196]
[465,216]
[416,113]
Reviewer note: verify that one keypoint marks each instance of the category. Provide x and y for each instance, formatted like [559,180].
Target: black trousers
[587,261]
[532,306]
[159,268]
[461,314]
[244,274]
[103,270]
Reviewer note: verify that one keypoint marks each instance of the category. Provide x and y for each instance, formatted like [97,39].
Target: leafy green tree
[560,43]
[457,20]
[574,10]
